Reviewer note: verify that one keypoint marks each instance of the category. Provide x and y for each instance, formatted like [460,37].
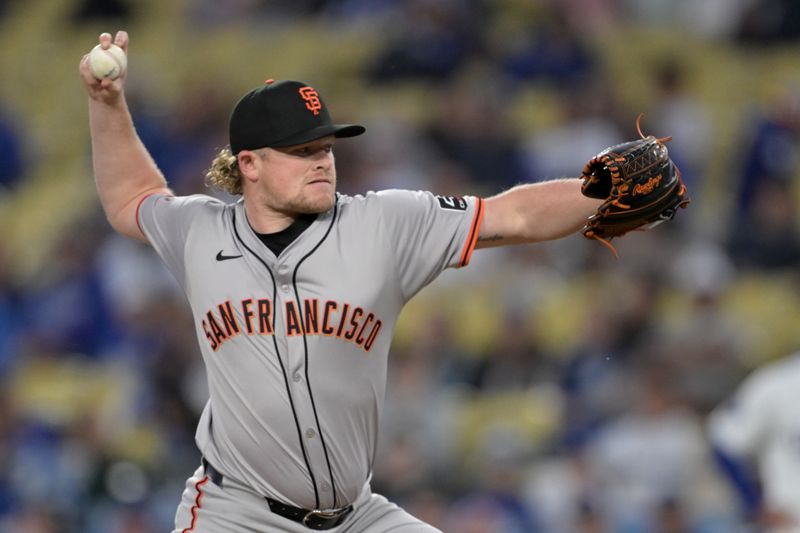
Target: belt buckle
[324,515]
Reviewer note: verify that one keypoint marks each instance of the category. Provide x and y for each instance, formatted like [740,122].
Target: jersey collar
[300,247]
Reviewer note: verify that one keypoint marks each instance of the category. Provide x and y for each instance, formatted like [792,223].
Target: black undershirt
[277,242]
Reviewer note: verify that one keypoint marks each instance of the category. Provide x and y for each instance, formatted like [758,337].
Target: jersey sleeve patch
[454,203]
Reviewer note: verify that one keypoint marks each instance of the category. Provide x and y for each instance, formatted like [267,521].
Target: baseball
[109,63]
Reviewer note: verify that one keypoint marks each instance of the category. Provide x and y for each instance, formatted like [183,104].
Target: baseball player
[761,424]
[295,291]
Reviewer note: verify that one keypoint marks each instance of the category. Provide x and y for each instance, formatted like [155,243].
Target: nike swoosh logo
[221,257]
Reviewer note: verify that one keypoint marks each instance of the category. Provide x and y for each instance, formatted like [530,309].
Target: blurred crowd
[544,388]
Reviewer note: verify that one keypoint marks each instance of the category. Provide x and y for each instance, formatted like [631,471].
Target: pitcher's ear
[249,164]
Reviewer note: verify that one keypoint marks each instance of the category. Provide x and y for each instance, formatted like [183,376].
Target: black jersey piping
[305,347]
[283,369]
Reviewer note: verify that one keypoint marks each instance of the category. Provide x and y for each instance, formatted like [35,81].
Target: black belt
[312,519]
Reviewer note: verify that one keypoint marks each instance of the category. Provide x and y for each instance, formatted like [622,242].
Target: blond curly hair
[224,173]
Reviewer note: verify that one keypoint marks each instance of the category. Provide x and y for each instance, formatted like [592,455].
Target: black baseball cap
[283,113]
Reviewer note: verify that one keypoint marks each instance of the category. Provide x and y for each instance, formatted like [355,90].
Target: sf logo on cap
[311,97]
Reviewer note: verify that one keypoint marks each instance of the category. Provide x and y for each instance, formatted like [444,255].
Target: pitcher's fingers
[121,40]
[85,72]
[108,84]
[105,40]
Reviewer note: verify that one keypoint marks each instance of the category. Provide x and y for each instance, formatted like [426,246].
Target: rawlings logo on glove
[640,184]
[648,187]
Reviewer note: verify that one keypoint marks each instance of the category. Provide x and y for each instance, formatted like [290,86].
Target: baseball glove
[640,184]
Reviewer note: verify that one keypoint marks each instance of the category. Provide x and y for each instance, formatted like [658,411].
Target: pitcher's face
[298,179]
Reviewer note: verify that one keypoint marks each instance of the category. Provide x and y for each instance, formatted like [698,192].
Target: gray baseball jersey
[762,421]
[295,346]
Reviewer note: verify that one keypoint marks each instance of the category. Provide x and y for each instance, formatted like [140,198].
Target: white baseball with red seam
[110,63]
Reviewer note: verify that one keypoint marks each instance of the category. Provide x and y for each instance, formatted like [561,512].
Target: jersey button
[326,487]
[283,269]
[310,433]
[285,287]
[297,376]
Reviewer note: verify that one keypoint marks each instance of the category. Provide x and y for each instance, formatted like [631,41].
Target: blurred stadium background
[544,388]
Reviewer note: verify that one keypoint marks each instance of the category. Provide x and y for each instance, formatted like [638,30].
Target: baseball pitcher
[756,439]
[295,291]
